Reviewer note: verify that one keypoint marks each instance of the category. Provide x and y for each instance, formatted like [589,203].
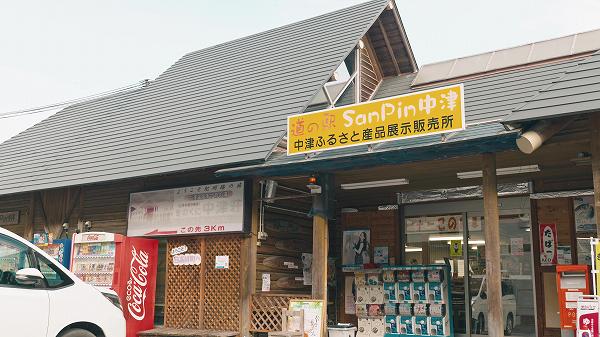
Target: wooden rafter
[389,47]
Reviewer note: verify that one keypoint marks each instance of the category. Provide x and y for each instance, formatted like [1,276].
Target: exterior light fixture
[501,171]
[376,183]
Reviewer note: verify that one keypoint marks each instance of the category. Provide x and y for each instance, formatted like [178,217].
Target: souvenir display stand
[404,301]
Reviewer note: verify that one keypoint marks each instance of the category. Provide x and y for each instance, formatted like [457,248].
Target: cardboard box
[438,326]
[361,310]
[389,276]
[364,327]
[436,292]
[362,294]
[389,292]
[418,291]
[376,294]
[406,325]
[390,309]
[391,324]
[377,327]
[404,292]
[421,325]
[418,276]
[374,279]
[405,309]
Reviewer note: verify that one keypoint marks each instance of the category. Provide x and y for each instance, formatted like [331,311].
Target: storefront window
[439,237]
[434,238]
[516,267]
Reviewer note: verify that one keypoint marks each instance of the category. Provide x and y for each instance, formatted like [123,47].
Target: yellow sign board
[422,113]
[456,248]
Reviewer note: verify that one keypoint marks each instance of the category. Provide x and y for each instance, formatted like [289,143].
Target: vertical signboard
[548,244]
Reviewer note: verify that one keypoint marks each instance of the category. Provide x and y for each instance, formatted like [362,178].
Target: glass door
[440,237]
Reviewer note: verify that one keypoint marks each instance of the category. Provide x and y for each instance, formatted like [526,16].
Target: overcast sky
[52,51]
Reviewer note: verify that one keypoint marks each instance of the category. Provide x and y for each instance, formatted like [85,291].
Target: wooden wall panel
[281,254]
[106,205]
[385,231]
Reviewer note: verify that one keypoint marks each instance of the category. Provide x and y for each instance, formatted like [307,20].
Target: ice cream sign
[548,244]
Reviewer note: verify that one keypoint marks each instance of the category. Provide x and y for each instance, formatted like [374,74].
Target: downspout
[533,138]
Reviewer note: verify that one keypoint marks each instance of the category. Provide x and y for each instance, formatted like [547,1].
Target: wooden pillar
[495,323]
[248,263]
[595,144]
[320,248]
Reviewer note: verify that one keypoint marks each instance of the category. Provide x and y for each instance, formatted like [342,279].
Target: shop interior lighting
[376,183]
[501,171]
[444,237]
[409,249]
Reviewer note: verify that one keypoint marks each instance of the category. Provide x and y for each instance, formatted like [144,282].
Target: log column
[320,248]
[495,322]
[595,144]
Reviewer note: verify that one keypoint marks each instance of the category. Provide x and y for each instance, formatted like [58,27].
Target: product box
[404,292]
[391,324]
[421,325]
[377,327]
[418,291]
[420,309]
[375,309]
[437,310]
[362,294]
[435,275]
[438,326]
[361,310]
[406,325]
[405,309]
[389,290]
[390,309]
[418,276]
[364,327]
[436,292]
[374,279]
[376,294]
[403,275]
[360,279]
[389,276]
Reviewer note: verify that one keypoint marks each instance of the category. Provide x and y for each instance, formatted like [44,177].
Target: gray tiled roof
[488,99]
[222,105]
[577,91]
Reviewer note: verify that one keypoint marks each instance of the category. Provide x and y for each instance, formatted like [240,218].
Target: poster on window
[548,244]
[202,209]
[441,223]
[356,247]
[585,217]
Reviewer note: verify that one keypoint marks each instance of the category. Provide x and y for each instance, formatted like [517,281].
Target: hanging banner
[202,209]
[548,244]
[417,114]
[456,248]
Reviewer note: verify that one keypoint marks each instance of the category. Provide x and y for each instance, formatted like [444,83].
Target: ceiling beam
[389,47]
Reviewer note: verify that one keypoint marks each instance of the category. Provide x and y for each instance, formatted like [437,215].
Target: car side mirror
[28,276]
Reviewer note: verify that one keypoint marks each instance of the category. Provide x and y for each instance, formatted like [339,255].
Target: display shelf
[417,299]
[94,272]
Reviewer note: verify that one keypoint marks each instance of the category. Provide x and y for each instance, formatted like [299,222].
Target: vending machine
[59,249]
[125,264]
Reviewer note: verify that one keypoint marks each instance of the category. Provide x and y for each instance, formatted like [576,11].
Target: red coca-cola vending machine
[125,264]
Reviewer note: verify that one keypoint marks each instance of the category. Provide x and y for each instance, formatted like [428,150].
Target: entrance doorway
[453,232]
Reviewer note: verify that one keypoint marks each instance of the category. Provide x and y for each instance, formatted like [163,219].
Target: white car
[479,305]
[41,298]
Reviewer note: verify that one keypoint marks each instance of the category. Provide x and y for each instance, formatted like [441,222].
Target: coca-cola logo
[137,285]
[92,237]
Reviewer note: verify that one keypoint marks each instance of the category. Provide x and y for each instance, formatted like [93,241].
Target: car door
[24,308]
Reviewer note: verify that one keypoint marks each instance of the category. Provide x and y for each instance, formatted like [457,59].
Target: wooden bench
[172,332]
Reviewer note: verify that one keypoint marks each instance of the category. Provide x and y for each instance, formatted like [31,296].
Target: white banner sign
[203,209]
